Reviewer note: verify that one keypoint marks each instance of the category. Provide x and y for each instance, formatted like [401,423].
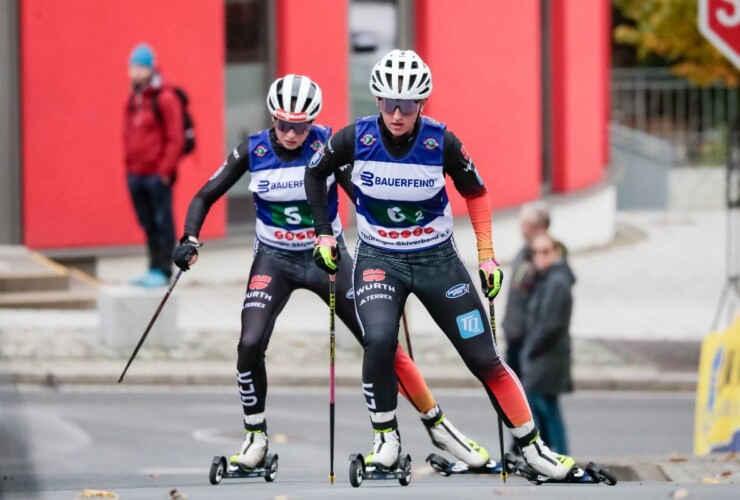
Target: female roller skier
[397,162]
[276,159]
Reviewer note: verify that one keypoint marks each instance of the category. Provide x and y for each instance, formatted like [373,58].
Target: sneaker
[386,449]
[543,460]
[154,278]
[446,437]
[253,450]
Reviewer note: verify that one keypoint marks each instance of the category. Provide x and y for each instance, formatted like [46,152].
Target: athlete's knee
[381,338]
[250,343]
[485,366]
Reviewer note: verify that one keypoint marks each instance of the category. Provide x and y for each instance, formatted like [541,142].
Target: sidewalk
[713,469]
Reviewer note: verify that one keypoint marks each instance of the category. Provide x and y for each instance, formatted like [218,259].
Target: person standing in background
[545,355]
[153,145]
[534,219]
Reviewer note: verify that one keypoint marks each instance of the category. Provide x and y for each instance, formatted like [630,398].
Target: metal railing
[694,120]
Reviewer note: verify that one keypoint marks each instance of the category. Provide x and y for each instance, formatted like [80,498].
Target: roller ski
[445,468]
[268,469]
[472,458]
[539,465]
[385,461]
[252,459]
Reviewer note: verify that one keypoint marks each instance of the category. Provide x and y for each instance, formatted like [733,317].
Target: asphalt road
[143,442]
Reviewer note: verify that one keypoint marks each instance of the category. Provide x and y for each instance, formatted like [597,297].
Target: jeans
[152,200]
[549,420]
[513,352]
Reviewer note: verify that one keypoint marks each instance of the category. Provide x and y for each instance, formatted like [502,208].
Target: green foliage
[669,29]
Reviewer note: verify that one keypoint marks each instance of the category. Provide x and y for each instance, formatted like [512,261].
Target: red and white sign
[719,22]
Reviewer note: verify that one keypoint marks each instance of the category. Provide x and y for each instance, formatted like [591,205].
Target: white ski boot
[386,449]
[254,448]
[446,437]
[540,458]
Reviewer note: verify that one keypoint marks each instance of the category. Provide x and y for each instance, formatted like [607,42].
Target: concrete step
[54,299]
[29,280]
[32,282]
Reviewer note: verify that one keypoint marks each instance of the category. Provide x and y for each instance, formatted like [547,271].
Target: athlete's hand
[186,253]
[326,253]
[491,277]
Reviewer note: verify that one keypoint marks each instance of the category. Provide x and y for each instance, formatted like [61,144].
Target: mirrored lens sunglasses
[405,106]
[298,127]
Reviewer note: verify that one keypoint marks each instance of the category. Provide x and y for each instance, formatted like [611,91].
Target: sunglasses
[405,106]
[298,127]
[542,251]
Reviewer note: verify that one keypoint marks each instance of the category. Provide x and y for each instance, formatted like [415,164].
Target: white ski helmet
[294,98]
[401,74]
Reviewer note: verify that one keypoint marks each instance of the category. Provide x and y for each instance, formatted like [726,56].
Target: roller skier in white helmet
[398,161]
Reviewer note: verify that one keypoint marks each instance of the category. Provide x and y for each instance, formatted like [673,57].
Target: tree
[669,29]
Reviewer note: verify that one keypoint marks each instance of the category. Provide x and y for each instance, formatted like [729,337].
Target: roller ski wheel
[593,474]
[221,469]
[404,464]
[358,471]
[445,468]
[601,474]
[271,468]
[218,468]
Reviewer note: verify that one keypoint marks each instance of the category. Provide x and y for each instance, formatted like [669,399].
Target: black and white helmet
[401,74]
[294,98]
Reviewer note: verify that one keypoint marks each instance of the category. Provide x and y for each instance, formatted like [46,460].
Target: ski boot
[385,461]
[538,464]
[252,460]
[472,458]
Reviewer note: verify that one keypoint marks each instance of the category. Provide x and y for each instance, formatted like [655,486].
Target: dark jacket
[545,353]
[521,282]
[153,142]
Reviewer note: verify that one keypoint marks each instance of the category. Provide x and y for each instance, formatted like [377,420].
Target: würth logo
[373,275]
[259,281]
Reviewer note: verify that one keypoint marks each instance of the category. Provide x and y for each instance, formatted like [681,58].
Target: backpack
[188,127]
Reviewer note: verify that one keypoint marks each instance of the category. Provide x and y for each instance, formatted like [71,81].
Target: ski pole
[408,337]
[151,323]
[332,310]
[492,316]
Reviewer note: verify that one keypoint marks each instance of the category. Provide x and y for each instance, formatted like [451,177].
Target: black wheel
[405,465]
[440,464]
[217,470]
[602,474]
[271,467]
[356,469]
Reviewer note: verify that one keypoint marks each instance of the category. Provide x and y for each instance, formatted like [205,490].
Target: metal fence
[694,120]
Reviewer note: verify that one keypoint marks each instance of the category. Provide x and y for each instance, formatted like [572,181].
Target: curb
[221,374]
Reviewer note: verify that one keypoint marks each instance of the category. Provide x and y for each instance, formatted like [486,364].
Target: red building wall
[485,59]
[485,62]
[74,86]
[325,58]
[315,42]
[580,64]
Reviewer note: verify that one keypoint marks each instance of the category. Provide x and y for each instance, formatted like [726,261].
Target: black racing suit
[436,275]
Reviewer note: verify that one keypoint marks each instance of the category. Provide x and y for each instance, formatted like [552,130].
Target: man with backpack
[157,133]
